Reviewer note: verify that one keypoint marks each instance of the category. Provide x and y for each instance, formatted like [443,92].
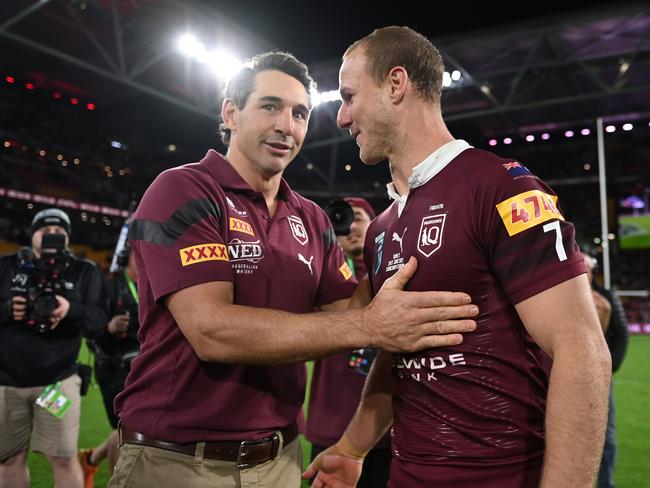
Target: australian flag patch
[515,168]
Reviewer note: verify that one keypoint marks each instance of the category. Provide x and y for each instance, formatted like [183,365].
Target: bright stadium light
[446,79]
[222,63]
[455,75]
[190,46]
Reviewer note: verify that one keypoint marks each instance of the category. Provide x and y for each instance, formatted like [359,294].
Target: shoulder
[175,188]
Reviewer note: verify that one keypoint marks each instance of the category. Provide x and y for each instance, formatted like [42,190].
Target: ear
[229,113]
[398,80]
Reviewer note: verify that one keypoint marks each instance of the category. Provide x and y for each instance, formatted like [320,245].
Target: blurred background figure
[48,298]
[337,381]
[114,349]
[612,316]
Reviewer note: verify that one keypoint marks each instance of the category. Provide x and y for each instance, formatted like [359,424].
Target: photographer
[49,298]
[114,348]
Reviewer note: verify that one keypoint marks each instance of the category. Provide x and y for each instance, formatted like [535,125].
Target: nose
[284,122]
[343,119]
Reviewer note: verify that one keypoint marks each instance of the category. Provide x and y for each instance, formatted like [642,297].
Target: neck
[267,184]
[421,134]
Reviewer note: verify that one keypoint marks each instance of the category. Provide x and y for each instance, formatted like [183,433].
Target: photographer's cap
[362,203]
[51,216]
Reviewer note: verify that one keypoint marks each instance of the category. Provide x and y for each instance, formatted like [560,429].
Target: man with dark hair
[230,264]
[39,344]
[523,400]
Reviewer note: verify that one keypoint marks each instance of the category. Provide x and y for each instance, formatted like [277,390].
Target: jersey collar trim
[228,177]
[431,166]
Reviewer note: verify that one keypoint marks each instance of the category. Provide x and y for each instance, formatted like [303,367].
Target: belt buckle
[242,463]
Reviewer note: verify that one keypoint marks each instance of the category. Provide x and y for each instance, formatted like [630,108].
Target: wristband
[346,448]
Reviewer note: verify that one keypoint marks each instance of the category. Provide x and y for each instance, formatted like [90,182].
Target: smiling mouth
[281,146]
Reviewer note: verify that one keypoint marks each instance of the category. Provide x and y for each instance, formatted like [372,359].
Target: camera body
[40,280]
[341,216]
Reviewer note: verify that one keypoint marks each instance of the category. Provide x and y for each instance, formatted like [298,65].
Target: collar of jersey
[433,164]
[229,179]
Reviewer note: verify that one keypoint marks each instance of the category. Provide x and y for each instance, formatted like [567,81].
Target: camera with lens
[341,216]
[40,280]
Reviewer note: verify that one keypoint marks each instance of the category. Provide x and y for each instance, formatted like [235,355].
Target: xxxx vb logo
[203,252]
[241,226]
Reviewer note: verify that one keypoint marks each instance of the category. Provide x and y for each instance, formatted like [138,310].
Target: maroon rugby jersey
[335,393]
[473,414]
[200,223]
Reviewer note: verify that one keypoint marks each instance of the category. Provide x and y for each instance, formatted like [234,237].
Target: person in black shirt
[40,337]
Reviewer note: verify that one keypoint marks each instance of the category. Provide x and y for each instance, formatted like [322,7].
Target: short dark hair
[241,85]
[393,46]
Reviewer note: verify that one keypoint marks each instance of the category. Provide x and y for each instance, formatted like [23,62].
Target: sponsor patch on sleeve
[345,271]
[527,210]
[203,252]
[241,226]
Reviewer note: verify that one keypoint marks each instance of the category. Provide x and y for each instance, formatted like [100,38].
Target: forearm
[247,335]
[576,416]
[374,416]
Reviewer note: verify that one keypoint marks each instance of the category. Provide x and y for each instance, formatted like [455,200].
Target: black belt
[244,453]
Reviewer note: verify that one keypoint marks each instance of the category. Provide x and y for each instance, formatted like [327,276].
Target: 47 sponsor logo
[424,368]
[528,209]
[203,252]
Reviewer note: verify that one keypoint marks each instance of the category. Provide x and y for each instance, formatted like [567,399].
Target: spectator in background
[114,349]
[337,381]
[612,314]
[38,354]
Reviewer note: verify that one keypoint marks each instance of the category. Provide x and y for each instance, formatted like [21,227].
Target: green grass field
[631,389]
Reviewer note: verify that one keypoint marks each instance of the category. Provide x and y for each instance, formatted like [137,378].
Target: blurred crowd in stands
[53,148]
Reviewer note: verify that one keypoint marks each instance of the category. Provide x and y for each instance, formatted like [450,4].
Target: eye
[269,107]
[300,115]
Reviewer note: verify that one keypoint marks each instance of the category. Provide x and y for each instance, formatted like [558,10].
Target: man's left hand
[60,312]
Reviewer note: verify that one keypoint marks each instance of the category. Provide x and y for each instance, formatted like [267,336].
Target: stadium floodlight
[610,128]
[627,126]
[190,46]
[492,142]
[222,63]
[455,75]
[546,136]
[585,132]
[323,97]
[530,138]
[507,140]
[446,79]
[568,133]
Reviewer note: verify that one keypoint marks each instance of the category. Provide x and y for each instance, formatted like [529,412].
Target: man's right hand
[18,308]
[408,321]
[119,325]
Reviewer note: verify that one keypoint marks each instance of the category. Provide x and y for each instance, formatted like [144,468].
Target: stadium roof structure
[552,72]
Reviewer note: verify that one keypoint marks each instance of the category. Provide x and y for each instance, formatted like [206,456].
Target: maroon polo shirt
[473,415]
[200,223]
[335,393]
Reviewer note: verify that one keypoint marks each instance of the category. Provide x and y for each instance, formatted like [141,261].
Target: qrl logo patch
[527,210]
[203,252]
[345,271]
[298,229]
[430,235]
[241,226]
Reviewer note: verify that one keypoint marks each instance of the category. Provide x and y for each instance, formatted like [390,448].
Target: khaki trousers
[150,467]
